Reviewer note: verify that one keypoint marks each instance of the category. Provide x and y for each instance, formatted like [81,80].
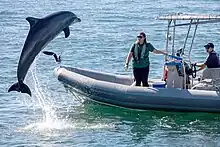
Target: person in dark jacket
[212,60]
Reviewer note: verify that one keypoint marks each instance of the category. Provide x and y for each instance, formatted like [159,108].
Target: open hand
[126,67]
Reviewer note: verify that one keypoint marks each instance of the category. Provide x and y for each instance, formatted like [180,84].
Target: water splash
[49,122]
[42,101]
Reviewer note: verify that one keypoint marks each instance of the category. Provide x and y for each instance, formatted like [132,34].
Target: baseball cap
[209,45]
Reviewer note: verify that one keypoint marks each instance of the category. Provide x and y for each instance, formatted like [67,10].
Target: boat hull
[115,90]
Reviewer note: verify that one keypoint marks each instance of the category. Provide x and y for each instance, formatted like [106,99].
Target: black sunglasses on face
[140,37]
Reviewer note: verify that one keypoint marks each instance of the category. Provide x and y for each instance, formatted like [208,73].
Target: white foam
[50,122]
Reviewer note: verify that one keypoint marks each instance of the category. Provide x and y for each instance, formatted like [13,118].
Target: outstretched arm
[159,52]
[202,66]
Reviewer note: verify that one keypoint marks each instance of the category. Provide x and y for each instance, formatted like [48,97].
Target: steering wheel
[193,68]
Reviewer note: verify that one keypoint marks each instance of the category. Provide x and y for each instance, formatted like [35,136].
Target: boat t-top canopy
[180,16]
[194,18]
[181,19]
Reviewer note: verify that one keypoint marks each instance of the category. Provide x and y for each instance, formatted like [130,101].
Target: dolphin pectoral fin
[32,21]
[66,31]
[20,87]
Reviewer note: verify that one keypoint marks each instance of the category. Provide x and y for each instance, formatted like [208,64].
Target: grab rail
[175,57]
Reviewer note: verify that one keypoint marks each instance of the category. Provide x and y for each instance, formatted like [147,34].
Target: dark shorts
[141,75]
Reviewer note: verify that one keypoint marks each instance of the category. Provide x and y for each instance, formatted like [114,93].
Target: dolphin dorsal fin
[32,21]
[66,31]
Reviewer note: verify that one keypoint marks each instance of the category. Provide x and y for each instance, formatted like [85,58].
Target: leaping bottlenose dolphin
[41,32]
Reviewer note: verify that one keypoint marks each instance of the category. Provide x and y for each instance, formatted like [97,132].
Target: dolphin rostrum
[41,32]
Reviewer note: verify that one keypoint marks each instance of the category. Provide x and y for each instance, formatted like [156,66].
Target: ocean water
[55,117]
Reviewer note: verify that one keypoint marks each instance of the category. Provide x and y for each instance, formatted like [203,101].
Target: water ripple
[55,117]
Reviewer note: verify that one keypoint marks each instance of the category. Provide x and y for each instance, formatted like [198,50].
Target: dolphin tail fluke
[20,87]
[25,89]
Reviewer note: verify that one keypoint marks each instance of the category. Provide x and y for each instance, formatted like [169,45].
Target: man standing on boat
[212,60]
[140,53]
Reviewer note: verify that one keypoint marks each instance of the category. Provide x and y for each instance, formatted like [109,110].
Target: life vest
[136,48]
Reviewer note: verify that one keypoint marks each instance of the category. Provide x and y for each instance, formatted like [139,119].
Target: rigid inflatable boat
[180,92]
[116,90]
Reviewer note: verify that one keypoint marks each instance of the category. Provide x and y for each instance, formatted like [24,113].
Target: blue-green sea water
[55,117]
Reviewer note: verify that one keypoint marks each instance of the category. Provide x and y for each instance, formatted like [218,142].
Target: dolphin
[41,32]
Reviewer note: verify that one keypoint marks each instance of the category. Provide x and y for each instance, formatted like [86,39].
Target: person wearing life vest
[139,51]
[212,60]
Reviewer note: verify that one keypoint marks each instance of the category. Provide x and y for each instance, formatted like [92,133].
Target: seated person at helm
[212,60]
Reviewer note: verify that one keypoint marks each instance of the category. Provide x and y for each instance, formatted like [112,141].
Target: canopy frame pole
[193,38]
[174,31]
[192,45]
[167,37]
[187,36]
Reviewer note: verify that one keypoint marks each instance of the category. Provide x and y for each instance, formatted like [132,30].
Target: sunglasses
[140,37]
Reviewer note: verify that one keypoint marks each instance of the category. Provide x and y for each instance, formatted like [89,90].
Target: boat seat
[211,73]
[210,80]
[208,84]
